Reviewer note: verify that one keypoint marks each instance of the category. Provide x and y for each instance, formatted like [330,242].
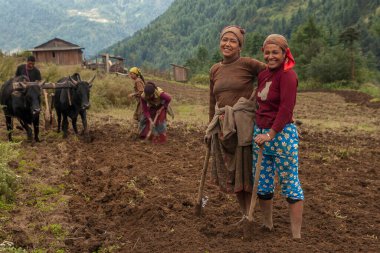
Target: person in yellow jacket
[139,84]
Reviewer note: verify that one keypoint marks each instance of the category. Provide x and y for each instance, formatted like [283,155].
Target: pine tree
[307,42]
[348,38]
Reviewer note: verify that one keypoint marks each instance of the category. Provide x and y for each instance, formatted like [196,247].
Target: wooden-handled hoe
[255,185]
[198,205]
[48,113]
[153,124]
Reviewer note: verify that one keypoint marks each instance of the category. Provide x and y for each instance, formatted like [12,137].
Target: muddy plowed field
[120,194]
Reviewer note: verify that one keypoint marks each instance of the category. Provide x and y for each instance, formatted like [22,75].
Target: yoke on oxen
[19,87]
[21,99]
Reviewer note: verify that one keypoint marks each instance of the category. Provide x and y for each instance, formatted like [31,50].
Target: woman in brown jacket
[231,80]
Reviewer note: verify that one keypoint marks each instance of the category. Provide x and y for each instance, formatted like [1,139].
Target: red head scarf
[281,41]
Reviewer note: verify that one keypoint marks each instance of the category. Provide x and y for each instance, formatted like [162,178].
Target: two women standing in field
[231,84]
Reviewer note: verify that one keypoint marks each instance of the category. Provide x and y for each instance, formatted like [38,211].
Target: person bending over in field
[155,104]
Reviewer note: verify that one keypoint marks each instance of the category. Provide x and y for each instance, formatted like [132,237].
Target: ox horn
[92,79]
[23,84]
[41,83]
[18,85]
[73,81]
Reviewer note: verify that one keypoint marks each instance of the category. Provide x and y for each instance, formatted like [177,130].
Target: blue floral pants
[279,156]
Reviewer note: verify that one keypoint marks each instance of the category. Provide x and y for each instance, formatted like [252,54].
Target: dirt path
[119,194]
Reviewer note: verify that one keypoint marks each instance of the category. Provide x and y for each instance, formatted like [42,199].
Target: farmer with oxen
[276,133]
[231,87]
[138,86]
[22,100]
[155,104]
[29,70]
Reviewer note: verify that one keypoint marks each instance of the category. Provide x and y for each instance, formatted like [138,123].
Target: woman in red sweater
[276,133]
[154,102]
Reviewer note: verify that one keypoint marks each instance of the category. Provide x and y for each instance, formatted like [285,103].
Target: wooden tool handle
[255,185]
[198,205]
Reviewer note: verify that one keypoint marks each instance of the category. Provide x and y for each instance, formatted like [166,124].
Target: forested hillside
[337,32]
[93,24]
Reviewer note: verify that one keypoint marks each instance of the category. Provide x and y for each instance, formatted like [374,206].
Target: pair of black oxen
[22,100]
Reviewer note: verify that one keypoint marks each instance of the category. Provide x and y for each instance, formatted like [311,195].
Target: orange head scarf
[281,41]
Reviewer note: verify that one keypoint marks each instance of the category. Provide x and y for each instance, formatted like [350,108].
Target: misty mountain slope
[93,24]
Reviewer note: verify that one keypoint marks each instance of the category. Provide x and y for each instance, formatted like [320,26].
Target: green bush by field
[8,184]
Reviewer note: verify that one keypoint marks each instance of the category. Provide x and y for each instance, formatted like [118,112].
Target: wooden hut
[58,51]
[113,63]
[180,73]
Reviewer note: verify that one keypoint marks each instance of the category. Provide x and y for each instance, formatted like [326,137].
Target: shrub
[200,79]
[8,152]
[365,75]
[51,74]
[7,67]
[371,89]
[111,91]
[309,85]
[329,66]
